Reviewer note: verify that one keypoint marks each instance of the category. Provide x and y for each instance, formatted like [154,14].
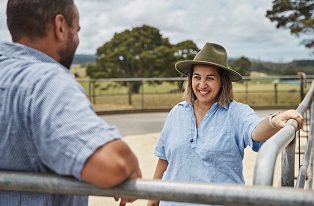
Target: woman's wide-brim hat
[211,54]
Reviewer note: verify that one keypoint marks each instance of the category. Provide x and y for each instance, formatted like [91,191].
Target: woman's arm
[269,126]
[160,169]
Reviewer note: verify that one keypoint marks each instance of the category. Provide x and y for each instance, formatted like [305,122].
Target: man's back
[21,76]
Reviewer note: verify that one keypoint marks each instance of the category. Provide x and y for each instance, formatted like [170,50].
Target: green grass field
[111,95]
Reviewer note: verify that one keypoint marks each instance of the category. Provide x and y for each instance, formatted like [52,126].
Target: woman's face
[206,84]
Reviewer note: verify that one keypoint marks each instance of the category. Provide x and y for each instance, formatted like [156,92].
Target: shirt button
[191,140]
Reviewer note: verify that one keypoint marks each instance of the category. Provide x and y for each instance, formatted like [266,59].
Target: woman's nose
[203,84]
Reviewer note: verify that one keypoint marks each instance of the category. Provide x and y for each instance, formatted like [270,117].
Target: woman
[204,137]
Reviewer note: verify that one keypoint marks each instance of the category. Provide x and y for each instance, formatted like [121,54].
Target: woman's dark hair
[32,18]
[225,95]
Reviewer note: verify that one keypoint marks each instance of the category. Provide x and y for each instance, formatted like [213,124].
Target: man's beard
[67,54]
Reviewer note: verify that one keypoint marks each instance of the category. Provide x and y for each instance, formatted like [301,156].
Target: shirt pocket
[218,138]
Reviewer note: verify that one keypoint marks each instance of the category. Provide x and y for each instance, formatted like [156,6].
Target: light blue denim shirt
[214,151]
[47,123]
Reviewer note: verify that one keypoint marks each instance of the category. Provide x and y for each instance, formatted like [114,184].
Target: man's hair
[225,95]
[32,18]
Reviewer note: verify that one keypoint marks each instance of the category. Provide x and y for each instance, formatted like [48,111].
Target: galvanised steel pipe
[207,193]
[307,154]
[288,164]
[267,155]
[310,172]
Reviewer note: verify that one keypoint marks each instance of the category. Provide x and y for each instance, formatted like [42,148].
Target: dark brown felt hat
[211,54]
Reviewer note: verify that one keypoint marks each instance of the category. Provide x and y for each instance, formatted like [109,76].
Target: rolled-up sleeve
[247,120]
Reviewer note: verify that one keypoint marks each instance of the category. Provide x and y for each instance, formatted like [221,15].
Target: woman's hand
[269,126]
[153,203]
[280,120]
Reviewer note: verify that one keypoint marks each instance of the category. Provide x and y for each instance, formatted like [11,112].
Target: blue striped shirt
[47,123]
[211,152]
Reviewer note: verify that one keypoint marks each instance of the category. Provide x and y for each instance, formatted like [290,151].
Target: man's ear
[59,27]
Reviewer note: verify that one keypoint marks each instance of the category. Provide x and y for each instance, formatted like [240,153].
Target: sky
[239,25]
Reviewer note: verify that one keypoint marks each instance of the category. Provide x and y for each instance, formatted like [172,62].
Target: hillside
[291,68]
[271,68]
[84,59]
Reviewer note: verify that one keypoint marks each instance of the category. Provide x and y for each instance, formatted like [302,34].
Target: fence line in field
[274,89]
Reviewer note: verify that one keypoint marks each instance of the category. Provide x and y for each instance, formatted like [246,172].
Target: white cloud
[239,25]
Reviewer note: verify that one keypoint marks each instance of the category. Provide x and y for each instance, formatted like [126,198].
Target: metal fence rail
[207,193]
[307,157]
[284,140]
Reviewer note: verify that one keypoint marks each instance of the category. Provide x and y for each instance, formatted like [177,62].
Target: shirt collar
[187,104]
[20,51]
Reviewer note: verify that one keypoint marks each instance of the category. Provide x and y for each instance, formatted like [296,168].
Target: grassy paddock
[138,101]
[109,95]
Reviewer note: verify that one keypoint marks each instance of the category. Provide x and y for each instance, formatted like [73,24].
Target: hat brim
[184,67]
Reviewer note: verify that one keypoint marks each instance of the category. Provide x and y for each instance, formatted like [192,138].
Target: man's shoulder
[33,71]
[18,57]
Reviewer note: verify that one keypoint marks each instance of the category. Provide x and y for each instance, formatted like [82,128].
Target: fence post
[142,95]
[302,84]
[90,90]
[276,90]
[287,164]
[130,93]
[247,91]
[94,93]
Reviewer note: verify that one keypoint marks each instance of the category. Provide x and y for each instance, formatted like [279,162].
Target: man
[47,124]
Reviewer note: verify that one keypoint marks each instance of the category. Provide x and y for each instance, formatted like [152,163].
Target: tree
[290,71]
[140,52]
[185,50]
[259,67]
[297,15]
[242,65]
[131,53]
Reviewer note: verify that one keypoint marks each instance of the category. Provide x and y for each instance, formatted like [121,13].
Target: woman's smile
[203,92]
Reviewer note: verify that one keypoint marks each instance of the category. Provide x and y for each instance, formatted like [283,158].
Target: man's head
[32,18]
[55,22]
